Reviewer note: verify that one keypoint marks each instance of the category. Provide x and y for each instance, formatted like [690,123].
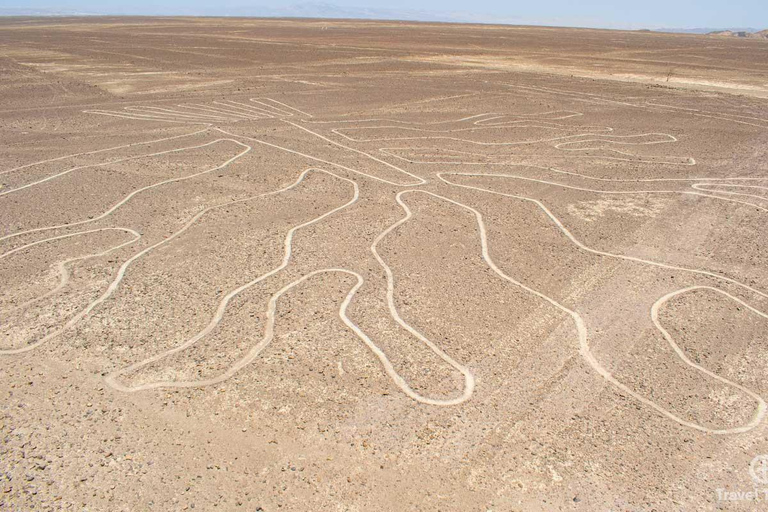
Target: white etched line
[165,112]
[138,191]
[139,117]
[123,146]
[252,114]
[62,266]
[584,348]
[421,181]
[579,244]
[316,159]
[288,107]
[101,164]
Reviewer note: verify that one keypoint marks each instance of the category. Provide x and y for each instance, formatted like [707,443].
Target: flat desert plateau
[313,265]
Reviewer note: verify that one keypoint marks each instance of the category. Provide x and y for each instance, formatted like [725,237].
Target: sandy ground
[333,265]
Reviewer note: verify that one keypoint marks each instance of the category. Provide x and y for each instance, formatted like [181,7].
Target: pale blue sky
[601,13]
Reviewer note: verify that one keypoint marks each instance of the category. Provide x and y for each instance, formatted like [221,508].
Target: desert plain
[315,265]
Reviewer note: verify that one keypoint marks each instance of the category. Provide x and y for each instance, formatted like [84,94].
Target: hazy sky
[606,13]
[677,13]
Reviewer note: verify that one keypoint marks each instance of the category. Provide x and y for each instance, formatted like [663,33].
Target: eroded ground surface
[315,265]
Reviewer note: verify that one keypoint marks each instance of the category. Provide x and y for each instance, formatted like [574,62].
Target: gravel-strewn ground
[333,265]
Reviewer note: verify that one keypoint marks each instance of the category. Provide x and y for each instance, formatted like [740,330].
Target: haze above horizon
[651,14]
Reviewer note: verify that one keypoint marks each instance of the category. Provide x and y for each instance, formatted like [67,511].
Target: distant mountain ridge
[709,30]
[319,9]
[754,34]
[230,8]
[745,32]
[27,11]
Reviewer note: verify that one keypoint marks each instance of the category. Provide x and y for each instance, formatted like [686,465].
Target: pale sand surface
[335,265]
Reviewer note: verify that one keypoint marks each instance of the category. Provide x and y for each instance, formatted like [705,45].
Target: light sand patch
[634,206]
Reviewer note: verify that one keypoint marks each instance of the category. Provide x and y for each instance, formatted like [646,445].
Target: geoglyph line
[584,247]
[102,151]
[112,379]
[567,139]
[478,121]
[508,159]
[265,108]
[227,111]
[63,266]
[608,192]
[102,164]
[130,196]
[420,181]
[150,110]
[562,143]
[761,408]
[578,175]
[584,348]
[714,115]
[138,117]
[124,267]
[649,106]
[713,188]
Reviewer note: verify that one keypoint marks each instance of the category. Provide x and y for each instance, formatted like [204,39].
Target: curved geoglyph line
[113,378]
[507,159]
[74,320]
[563,143]
[565,146]
[566,139]
[713,188]
[702,186]
[225,111]
[584,348]
[229,111]
[581,245]
[419,179]
[695,186]
[221,309]
[110,162]
[761,408]
[131,195]
[123,146]
[483,119]
[648,106]
[63,266]
[124,267]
